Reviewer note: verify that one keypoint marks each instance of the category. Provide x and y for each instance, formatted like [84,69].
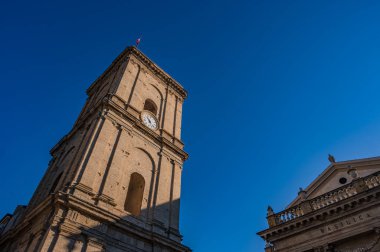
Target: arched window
[150,106]
[55,184]
[135,194]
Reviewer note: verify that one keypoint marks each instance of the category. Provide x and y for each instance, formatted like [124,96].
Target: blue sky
[274,86]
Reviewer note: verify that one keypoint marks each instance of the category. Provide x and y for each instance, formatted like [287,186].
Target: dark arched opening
[149,105]
[135,194]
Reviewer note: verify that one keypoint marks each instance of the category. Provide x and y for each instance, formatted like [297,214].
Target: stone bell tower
[114,180]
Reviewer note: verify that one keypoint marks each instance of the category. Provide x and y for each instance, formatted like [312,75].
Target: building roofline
[149,64]
[330,169]
[340,165]
[357,160]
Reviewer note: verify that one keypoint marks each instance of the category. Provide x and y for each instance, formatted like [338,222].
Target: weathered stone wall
[117,153]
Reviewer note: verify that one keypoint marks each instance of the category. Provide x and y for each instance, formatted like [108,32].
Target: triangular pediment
[335,176]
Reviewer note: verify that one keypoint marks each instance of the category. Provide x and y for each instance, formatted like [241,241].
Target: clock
[149,120]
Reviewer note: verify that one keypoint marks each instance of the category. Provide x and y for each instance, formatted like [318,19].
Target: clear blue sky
[274,86]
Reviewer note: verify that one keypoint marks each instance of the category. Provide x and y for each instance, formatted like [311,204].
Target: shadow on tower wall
[68,226]
[75,229]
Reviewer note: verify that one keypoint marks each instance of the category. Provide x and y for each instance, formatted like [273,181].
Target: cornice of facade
[309,214]
[132,50]
[321,217]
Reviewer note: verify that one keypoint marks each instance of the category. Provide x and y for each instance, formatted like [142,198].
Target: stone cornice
[132,50]
[357,186]
[101,214]
[312,220]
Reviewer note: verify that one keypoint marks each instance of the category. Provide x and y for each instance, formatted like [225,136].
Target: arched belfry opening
[135,194]
[149,105]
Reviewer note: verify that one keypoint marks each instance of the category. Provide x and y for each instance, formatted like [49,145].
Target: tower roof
[132,50]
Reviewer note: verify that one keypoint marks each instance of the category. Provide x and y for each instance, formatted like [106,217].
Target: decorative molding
[106,199]
[83,188]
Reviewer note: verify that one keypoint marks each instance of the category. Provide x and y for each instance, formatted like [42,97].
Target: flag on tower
[138,41]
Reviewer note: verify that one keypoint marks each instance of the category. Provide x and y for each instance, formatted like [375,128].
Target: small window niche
[135,194]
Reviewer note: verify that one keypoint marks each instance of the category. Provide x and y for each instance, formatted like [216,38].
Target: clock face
[149,120]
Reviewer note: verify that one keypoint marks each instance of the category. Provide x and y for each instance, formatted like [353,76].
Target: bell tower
[114,181]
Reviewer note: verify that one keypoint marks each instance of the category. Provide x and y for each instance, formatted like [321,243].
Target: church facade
[338,212]
[114,181]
